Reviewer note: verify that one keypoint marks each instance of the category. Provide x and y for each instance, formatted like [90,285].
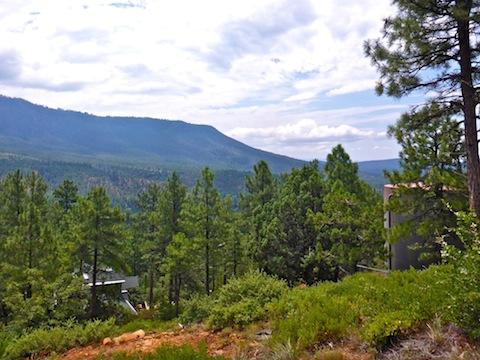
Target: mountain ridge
[94,150]
[31,129]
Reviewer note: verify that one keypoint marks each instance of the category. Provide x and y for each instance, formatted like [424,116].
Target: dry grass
[437,341]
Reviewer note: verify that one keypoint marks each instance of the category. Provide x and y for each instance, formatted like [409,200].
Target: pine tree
[102,237]
[203,222]
[432,182]
[430,46]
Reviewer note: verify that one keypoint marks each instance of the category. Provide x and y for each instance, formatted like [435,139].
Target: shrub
[5,339]
[309,316]
[196,309]
[148,325]
[464,295]
[243,299]
[58,339]
[374,307]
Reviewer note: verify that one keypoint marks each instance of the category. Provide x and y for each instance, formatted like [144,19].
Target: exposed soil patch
[230,344]
[223,343]
[444,342]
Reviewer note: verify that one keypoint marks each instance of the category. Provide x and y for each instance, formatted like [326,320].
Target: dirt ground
[219,343]
[230,344]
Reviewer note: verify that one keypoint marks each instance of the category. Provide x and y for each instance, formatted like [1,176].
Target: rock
[107,341]
[139,334]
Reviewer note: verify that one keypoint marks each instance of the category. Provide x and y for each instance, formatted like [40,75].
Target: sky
[285,76]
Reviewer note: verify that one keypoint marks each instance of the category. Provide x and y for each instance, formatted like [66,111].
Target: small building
[404,253]
[118,283]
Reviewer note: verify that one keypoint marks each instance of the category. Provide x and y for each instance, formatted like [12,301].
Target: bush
[58,339]
[148,325]
[196,309]
[375,308]
[5,339]
[309,316]
[464,294]
[243,299]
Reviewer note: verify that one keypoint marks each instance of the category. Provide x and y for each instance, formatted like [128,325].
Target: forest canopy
[305,226]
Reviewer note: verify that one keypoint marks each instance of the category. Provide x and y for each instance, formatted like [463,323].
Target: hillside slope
[34,130]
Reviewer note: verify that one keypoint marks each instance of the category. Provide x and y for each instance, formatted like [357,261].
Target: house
[115,282]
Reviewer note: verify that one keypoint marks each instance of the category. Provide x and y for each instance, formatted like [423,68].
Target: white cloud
[257,65]
[306,131]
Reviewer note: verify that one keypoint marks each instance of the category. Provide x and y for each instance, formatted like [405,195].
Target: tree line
[305,226]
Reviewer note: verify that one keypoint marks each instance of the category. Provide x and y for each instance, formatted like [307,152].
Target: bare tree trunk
[178,283]
[93,301]
[207,269]
[469,105]
[150,288]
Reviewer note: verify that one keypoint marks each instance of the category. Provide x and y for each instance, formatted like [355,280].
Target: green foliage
[58,339]
[102,238]
[374,307]
[277,217]
[206,221]
[196,309]
[313,315]
[432,159]
[5,339]
[169,352]
[37,281]
[427,46]
[349,224]
[243,300]
[464,292]
[339,167]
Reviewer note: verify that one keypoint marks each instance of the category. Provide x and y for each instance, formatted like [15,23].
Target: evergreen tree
[339,167]
[102,237]
[255,205]
[37,282]
[430,45]
[288,236]
[157,223]
[184,265]
[66,194]
[204,223]
[146,247]
[350,221]
[432,181]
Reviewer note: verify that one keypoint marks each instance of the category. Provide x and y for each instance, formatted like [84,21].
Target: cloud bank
[281,75]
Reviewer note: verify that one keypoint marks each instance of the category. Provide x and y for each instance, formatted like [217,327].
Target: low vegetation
[48,340]
[168,352]
[375,309]
[283,259]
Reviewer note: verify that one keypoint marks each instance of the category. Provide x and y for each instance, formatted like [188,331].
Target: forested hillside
[185,241]
[281,260]
[61,135]
[126,154]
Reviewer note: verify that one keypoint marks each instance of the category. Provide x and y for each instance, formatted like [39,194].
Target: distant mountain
[373,171]
[62,135]
[125,154]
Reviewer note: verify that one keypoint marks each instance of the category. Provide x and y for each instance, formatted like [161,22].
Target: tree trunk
[469,105]
[178,282]
[93,301]
[171,290]
[150,288]
[207,269]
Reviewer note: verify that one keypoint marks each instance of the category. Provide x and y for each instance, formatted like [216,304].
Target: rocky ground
[443,342]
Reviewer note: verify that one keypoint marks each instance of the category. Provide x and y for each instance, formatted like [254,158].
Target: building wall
[401,256]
